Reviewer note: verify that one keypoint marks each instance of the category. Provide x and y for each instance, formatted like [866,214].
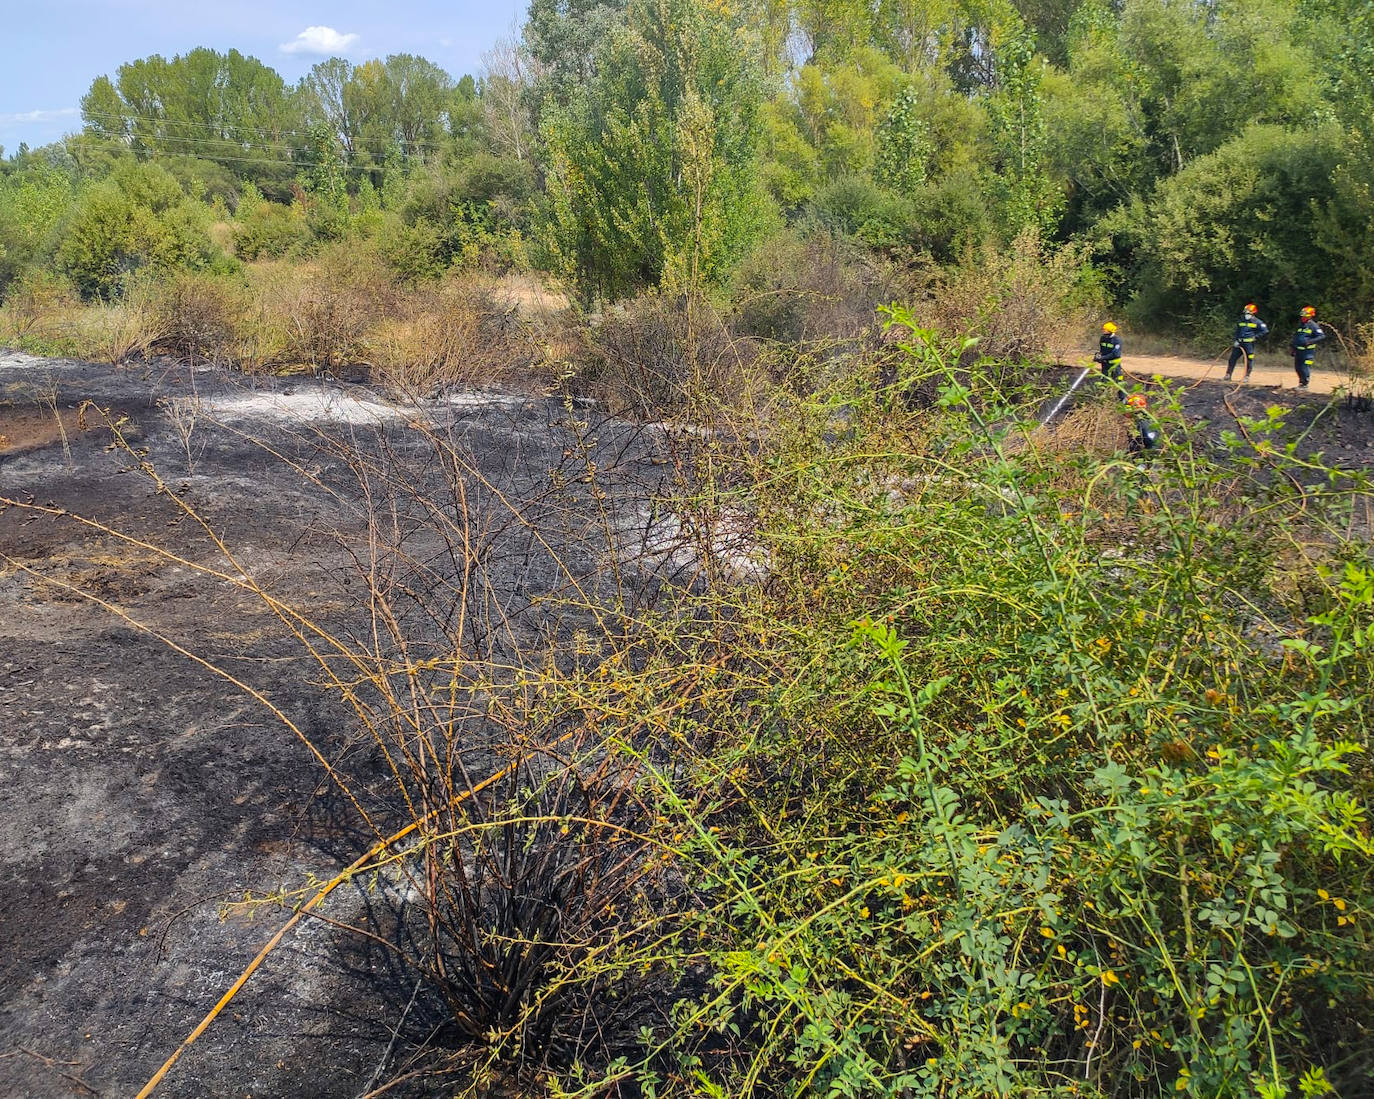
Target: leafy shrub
[1235,226]
[32,204]
[950,218]
[136,218]
[859,207]
[415,251]
[269,230]
[1041,802]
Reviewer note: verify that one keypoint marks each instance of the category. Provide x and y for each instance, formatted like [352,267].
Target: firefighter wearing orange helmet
[1248,329]
[1305,341]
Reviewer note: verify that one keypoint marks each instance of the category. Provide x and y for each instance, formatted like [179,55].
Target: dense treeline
[1197,154]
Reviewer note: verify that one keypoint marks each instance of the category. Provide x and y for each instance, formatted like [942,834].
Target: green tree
[652,166]
[1026,193]
[903,144]
[326,184]
[1239,224]
[226,108]
[326,101]
[565,39]
[33,201]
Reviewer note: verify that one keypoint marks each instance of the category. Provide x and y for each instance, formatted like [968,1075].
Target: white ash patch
[665,541]
[305,406]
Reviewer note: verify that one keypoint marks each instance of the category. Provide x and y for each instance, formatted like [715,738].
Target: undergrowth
[969,764]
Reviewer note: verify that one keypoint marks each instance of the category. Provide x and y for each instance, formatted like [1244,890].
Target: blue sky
[51,50]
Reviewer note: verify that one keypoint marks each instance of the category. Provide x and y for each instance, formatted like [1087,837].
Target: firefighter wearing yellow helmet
[1109,355]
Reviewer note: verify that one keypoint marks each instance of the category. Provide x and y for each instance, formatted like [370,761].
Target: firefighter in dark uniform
[1147,437]
[1305,341]
[1248,329]
[1109,355]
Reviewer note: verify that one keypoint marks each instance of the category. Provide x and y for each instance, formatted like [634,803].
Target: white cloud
[325,41]
[26,118]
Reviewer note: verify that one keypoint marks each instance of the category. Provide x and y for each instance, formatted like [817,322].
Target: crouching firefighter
[1109,355]
[1305,341]
[1248,329]
[1147,437]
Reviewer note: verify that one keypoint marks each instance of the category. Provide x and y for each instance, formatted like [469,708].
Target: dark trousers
[1240,351]
[1112,372]
[1302,363]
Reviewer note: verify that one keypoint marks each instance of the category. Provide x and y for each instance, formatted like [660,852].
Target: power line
[210,149]
[205,127]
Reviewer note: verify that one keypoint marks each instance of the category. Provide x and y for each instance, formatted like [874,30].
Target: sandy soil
[1270,372]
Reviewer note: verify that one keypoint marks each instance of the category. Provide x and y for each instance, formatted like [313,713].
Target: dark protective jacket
[1149,431]
[1306,338]
[1248,329]
[1109,349]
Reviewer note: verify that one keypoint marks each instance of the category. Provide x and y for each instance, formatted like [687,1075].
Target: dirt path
[1271,372]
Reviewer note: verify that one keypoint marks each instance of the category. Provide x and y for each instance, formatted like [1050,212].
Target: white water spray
[1060,403]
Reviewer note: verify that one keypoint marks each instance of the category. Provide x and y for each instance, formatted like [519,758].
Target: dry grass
[1024,301]
[340,310]
[656,358]
[460,332]
[1092,428]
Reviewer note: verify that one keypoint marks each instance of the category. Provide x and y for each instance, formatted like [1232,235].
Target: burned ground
[142,793]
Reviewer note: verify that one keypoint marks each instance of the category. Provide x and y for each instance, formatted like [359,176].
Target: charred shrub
[525,904]
[200,315]
[658,353]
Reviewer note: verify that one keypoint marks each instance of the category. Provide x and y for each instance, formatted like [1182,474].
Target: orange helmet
[1136,400]
[1251,308]
[1109,328]
[1308,312]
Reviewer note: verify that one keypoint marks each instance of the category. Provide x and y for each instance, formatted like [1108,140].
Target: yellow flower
[1109,978]
[863,912]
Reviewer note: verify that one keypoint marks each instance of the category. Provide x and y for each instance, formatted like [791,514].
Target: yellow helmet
[1109,328]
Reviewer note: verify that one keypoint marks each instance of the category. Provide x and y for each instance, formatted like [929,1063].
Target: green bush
[857,206]
[414,251]
[33,202]
[269,230]
[942,220]
[1028,772]
[1238,225]
[136,218]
